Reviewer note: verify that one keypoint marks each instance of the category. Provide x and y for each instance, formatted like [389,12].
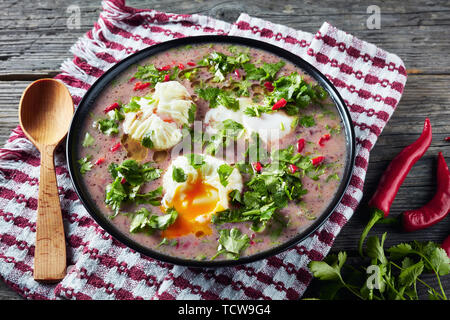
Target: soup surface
[212,152]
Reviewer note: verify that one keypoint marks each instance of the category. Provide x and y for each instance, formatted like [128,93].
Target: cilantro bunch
[149,73]
[297,92]
[129,177]
[266,193]
[392,274]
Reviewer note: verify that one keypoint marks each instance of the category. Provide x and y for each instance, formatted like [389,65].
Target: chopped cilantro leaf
[88,140]
[108,126]
[231,243]
[307,121]
[178,175]
[85,164]
[224,172]
[144,220]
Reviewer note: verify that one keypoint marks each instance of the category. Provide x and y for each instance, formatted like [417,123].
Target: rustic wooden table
[35,40]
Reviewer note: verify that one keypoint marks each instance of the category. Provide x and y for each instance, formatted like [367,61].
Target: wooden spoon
[45,113]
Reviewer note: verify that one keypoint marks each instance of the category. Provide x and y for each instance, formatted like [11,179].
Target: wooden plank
[34,40]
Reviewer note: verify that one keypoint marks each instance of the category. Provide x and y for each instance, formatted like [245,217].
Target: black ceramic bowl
[82,113]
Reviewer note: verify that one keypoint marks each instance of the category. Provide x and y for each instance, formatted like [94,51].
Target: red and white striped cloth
[370,80]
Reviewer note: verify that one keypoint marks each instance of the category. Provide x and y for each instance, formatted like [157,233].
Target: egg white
[160,115]
[270,126]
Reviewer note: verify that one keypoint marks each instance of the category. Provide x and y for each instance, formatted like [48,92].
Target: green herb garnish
[88,140]
[231,243]
[85,164]
[144,221]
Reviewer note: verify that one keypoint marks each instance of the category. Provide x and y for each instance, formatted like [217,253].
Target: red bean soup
[212,151]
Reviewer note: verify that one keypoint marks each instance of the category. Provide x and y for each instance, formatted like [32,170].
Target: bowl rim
[103,81]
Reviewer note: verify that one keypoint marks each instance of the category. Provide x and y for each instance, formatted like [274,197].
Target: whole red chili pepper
[437,208]
[446,245]
[393,177]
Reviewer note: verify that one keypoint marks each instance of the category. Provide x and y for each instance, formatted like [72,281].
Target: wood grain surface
[34,40]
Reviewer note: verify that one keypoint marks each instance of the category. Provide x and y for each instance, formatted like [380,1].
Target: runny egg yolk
[192,201]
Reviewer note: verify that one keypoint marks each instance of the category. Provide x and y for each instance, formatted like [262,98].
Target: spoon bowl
[45,112]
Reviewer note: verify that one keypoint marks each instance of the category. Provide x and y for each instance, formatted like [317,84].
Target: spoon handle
[50,250]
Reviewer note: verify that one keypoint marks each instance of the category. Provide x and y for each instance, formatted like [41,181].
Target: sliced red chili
[393,177]
[181,66]
[166,78]
[292,168]
[317,160]
[437,208]
[323,139]
[131,79]
[123,180]
[115,105]
[279,104]
[257,166]
[190,63]
[141,85]
[100,161]
[300,145]
[269,86]
[237,73]
[115,147]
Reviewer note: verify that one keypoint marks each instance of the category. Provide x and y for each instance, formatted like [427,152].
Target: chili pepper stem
[377,214]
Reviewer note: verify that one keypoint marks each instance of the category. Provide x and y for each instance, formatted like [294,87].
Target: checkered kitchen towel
[370,80]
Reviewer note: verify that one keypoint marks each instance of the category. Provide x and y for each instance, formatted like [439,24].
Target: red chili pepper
[123,180]
[446,245]
[236,72]
[279,104]
[190,63]
[324,138]
[317,160]
[115,105]
[181,66]
[269,86]
[437,208]
[100,161]
[166,78]
[393,177]
[141,85]
[292,168]
[115,147]
[447,139]
[257,166]
[300,145]
[131,79]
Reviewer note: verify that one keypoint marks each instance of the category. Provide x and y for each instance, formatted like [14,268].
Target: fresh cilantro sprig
[231,243]
[297,92]
[85,164]
[221,64]
[393,274]
[266,72]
